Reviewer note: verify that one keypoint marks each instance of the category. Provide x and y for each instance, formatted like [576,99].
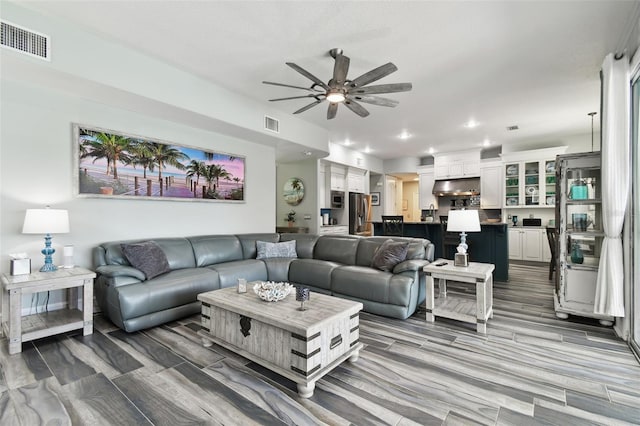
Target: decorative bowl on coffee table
[271,291]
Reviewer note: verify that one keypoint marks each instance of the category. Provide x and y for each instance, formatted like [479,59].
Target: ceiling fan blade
[292,97]
[311,105]
[356,107]
[332,110]
[374,100]
[374,74]
[381,88]
[308,75]
[288,85]
[340,69]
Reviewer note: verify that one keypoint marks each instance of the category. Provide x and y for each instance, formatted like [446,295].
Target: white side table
[476,311]
[20,329]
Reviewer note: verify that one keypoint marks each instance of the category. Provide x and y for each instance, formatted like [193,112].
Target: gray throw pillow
[389,254]
[148,257]
[284,249]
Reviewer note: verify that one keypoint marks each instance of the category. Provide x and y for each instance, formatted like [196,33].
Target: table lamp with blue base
[46,221]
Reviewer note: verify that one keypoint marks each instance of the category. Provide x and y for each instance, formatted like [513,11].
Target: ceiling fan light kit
[341,90]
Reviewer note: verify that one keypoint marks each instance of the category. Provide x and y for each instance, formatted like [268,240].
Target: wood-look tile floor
[530,368]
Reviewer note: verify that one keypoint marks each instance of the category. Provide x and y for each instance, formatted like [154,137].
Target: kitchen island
[490,245]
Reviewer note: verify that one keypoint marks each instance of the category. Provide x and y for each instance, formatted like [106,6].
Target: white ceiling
[534,64]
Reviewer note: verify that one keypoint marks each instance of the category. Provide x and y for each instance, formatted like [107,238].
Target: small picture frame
[375,198]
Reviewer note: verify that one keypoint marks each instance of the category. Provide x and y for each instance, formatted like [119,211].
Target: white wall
[342,155]
[36,169]
[307,171]
[575,143]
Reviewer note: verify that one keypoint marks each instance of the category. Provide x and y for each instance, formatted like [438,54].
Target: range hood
[466,186]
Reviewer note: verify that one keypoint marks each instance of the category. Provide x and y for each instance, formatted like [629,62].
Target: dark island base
[490,245]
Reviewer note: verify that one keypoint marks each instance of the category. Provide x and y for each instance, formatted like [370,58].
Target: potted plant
[291,218]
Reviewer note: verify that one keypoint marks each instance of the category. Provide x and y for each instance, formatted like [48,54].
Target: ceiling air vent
[514,127]
[271,124]
[26,41]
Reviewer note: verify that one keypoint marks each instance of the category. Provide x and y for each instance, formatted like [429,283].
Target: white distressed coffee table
[476,311]
[300,345]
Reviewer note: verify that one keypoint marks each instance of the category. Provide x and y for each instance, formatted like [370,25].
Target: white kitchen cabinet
[356,181]
[425,183]
[515,244]
[337,179]
[528,244]
[491,185]
[454,165]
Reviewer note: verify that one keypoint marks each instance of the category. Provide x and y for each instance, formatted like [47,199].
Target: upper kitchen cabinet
[426,180]
[337,178]
[491,185]
[529,177]
[356,180]
[454,165]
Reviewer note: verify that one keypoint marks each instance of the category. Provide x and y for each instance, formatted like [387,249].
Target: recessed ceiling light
[486,142]
[347,142]
[404,135]
[431,150]
[367,150]
[471,124]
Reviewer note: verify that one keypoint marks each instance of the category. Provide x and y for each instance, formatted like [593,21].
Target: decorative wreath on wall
[293,191]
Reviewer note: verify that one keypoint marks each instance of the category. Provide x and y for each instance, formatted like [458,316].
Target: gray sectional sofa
[335,265]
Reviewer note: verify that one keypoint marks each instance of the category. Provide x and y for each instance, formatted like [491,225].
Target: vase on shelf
[576,254]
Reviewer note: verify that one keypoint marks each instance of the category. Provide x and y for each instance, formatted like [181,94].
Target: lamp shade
[46,221]
[463,221]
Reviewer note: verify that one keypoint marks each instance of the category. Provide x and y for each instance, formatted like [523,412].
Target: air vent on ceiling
[26,41]
[271,124]
[514,127]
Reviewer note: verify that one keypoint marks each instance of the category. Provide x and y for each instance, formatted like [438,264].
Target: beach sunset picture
[114,164]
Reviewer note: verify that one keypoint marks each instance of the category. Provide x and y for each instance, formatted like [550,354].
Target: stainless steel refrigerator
[359,214]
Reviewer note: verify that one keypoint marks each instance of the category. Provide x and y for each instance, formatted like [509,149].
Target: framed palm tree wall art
[113,164]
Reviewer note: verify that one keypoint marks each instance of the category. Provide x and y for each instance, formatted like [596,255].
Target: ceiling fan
[349,92]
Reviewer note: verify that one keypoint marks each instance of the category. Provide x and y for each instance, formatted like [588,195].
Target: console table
[20,329]
[474,310]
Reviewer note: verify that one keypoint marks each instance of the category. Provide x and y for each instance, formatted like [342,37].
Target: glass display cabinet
[580,234]
[530,183]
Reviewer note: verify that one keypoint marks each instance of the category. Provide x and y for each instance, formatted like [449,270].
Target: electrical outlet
[530,215]
[509,217]
[307,217]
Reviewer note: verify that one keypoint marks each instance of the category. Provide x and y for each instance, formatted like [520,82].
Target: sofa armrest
[112,271]
[413,265]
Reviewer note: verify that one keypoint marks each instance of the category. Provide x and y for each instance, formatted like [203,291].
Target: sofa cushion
[305,243]
[312,272]
[167,291]
[389,254]
[248,243]
[334,248]
[278,268]
[249,269]
[212,249]
[269,250]
[148,257]
[371,284]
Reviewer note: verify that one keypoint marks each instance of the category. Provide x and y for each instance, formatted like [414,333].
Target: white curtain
[615,184]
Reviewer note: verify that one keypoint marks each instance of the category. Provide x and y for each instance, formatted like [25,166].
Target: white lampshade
[46,221]
[463,221]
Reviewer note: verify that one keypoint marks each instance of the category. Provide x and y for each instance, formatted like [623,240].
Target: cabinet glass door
[532,183]
[583,216]
[550,182]
[512,184]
